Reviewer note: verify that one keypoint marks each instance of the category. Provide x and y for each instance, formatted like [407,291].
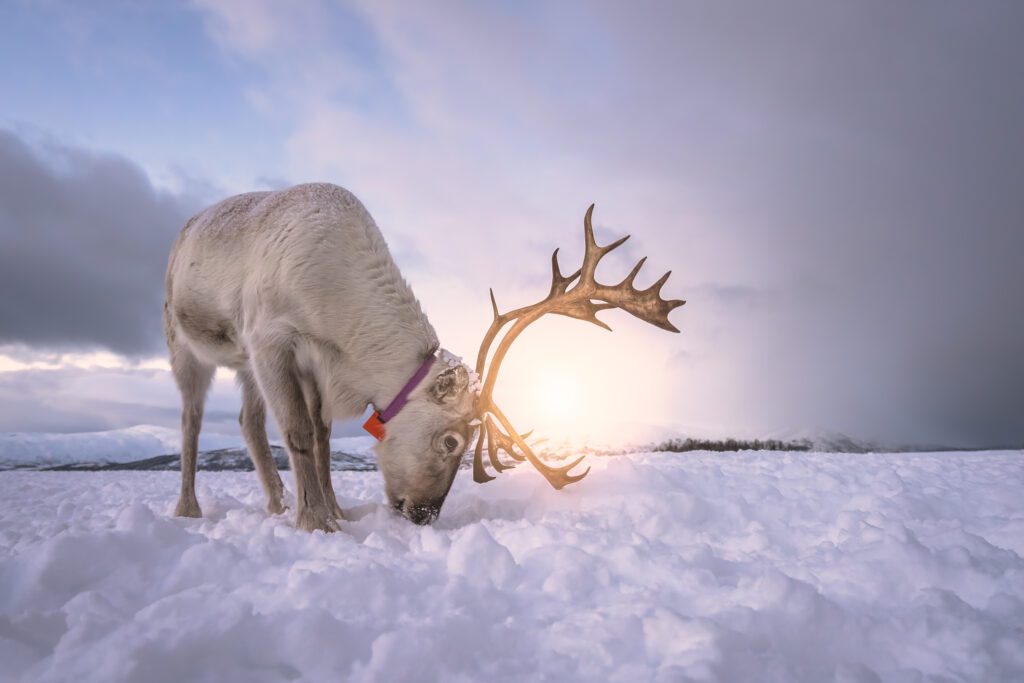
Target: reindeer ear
[449,384]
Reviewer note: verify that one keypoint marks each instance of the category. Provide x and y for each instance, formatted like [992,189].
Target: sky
[836,188]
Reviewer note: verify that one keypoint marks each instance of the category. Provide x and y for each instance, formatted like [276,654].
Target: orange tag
[375,426]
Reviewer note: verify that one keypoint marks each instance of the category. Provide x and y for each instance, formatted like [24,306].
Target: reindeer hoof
[331,501]
[335,510]
[316,519]
[276,506]
[187,508]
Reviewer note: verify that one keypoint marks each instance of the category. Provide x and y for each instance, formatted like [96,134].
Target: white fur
[296,290]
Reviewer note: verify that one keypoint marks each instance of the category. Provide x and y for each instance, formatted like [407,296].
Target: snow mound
[658,567]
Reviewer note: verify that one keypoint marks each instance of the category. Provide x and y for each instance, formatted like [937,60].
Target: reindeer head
[424,443]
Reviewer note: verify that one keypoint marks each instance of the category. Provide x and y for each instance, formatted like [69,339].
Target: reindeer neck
[394,356]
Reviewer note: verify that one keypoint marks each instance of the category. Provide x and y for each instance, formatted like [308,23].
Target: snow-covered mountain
[151,447]
[38,449]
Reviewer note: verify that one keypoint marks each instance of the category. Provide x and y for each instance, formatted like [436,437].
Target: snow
[657,567]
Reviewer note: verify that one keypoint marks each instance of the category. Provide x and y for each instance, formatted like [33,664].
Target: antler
[577,296]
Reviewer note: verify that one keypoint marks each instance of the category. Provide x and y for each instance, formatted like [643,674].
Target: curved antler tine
[628,282]
[567,478]
[559,282]
[493,445]
[592,252]
[656,287]
[587,311]
[494,304]
[588,228]
[614,245]
[480,475]
[669,307]
[558,477]
[506,444]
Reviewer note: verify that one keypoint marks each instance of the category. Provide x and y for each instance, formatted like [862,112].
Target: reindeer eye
[451,443]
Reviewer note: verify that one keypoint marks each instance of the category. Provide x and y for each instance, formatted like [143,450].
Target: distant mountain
[826,441]
[38,449]
[830,441]
[222,459]
[148,447]
[820,441]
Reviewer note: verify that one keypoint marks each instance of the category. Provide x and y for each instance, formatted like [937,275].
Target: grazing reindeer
[296,291]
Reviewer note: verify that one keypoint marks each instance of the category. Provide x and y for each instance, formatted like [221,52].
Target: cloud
[75,398]
[85,241]
[72,399]
[833,185]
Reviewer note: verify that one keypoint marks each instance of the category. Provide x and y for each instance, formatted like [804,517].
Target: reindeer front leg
[322,447]
[253,423]
[278,376]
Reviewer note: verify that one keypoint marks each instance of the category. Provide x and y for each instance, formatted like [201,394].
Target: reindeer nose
[421,514]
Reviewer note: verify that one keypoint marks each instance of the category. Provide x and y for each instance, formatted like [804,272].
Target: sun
[559,398]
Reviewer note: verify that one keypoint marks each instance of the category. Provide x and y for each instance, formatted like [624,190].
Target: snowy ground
[725,567]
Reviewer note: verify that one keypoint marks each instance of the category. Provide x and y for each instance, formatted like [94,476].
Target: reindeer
[297,293]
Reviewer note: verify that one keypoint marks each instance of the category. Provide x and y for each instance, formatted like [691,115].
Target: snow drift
[658,567]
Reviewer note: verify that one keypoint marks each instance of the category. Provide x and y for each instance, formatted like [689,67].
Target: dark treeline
[683,445]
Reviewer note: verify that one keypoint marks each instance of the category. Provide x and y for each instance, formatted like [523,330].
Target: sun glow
[559,398]
[569,382]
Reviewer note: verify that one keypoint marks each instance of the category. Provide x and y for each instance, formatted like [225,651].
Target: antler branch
[578,296]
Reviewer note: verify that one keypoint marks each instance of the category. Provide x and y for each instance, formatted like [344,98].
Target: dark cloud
[860,166]
[848,175]
[85,238]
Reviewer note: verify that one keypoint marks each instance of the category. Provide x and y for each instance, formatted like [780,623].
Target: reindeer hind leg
[193,378]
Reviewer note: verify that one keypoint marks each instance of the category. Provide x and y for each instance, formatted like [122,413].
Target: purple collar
[375,425]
